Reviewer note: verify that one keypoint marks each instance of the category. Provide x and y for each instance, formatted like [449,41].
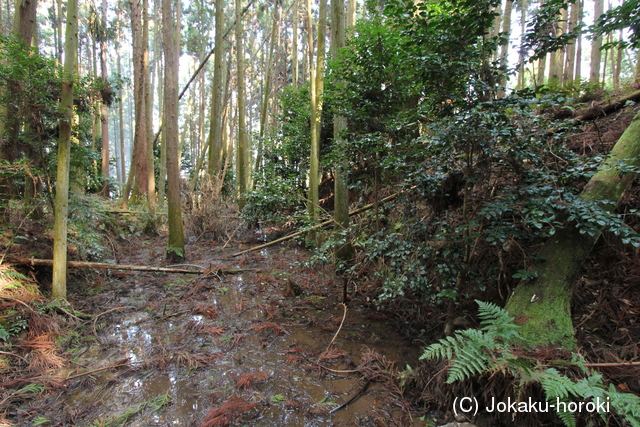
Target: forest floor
[270,345]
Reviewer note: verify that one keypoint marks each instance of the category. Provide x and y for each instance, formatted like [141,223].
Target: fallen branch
[611,364]
[344,316]
[354,397]
[108,266]
[602,110]
[315,227]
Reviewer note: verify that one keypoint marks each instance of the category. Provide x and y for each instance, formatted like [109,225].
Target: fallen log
[602,110]
[197,269]
[315,227]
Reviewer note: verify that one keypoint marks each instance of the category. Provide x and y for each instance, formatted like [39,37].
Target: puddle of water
[142,336]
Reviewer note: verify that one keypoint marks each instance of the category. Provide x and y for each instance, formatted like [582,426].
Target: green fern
[625,403]
[474,352]
[497,322]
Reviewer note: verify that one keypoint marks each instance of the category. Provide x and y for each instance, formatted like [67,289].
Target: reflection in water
[164,354]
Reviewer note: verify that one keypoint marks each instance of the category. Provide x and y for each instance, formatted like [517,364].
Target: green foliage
[625,16]
[541,36]
[91,227]
[272,200]
[30,89]
[474,353]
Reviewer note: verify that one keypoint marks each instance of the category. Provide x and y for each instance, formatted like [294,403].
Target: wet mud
[269,346]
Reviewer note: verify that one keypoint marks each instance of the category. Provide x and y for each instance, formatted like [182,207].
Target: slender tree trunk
[521,60]
[596,44]
[545,302]
[557,57]
[171,35]
[637,73]
[577,75]
[316,116]
[617,67]
[571,47]
[341,192]
[59,280]
[162,140]
[147,105]
[104,166]
[269,73]
[215,133]
[241,146]
[542,67]
[504,51]
[351,13]
[295,18]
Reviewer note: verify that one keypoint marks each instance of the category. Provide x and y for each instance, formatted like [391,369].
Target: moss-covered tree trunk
[171,35]
[317,90]
[59,280]
[544,303]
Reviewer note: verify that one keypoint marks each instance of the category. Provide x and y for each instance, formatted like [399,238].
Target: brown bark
[104,166]
[128,267]
[171,35]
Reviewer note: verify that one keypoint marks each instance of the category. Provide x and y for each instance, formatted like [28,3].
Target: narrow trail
[242,349]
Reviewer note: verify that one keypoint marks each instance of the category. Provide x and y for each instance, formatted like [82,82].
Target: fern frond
[568,418]
[469,361]
[626,404]
[497,321]
[445,348]
[556,385]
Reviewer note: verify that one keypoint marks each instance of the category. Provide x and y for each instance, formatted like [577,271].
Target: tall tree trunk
[273,41]
[351,13]
[556,58]
[215,133]
[571,47]
[295,18]
[545,302]
[59,280]
[542,66]
[596,44]
[577,75]
[341,193]
[504,51]
[171,35]
[521,60]
[162,140]
[104,166]
[147,105]
[316,117]
[617,66]
[637,73]
[123,171]
[139,168]
[241,146]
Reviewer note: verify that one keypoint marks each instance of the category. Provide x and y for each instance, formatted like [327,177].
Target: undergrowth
[494,349]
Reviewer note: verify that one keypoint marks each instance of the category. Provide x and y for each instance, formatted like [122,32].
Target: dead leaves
[245,381]
[232,411]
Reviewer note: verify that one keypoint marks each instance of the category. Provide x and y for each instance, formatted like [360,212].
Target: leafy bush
[272,200]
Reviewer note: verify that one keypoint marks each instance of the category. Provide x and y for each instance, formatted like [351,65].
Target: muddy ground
[270,344]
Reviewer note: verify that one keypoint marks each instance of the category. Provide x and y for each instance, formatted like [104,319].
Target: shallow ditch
[182,346]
